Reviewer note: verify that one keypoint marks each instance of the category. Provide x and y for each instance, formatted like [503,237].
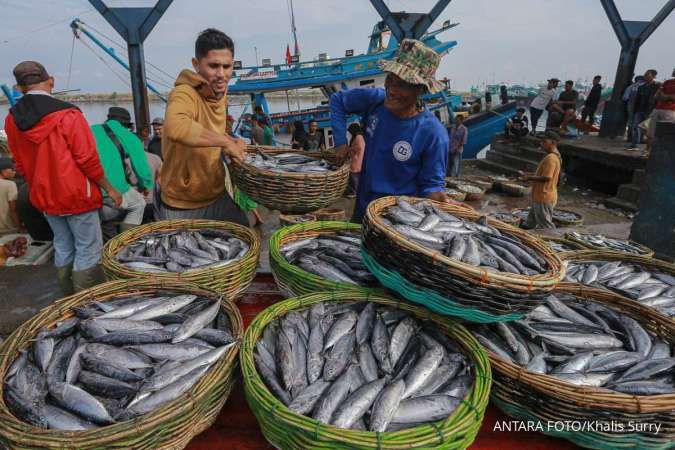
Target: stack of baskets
[450,287]
[231,280]
[290,192]
[171,426]
[559,408]
[291,279]
[472,191]
[288,430]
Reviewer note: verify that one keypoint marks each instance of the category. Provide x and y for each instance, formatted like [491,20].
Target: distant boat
[331,75]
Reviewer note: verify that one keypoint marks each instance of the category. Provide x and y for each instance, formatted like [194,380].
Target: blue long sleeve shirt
[402,156]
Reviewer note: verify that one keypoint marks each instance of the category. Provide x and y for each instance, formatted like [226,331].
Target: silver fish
[80,402]
[425,409]
[356,405]
[196,323]
[386,405]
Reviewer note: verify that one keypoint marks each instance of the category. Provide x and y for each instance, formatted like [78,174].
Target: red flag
[289,58]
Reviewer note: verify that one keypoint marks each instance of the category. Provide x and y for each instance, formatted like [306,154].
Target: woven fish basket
[512,220]
[649,264]
[560,409]
[567,223]
[290,431]
[447,286]
[231,280]
[292,219]
[644,251]
[293,280]
[562,241]
[292,193]
[330,214]
[513,189]
[171,426]
[484,182]
[458,184]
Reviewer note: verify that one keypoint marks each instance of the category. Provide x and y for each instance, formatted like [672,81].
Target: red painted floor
[237,429]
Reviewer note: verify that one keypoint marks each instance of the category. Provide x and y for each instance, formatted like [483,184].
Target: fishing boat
[330,75]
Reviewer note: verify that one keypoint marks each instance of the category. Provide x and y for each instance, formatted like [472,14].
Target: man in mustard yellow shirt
[544,184]
[194,181]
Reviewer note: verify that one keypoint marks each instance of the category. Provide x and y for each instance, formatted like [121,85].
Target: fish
[182,251]
[167,306]
[88,370]
[386,405]
[351,384]
[288,162]
[425,409]
[599,240]
[196,323]
[80,402]
[585,343]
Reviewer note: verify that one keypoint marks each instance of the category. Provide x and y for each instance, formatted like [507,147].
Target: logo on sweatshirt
[402,151]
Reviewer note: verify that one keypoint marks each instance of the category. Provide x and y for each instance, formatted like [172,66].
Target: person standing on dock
[195,182]
[664,111]
[9,218]
[488,100]
[55,152]
[257,132]
[155,144]
[629,99]
[643,106]
[314,141]
[592,102]
[541,102]
[458,134]
[357,147]
[406,147]
[544,184]
[503,94]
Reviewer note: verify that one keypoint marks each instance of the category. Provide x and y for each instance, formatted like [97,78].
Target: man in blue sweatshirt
[406,146]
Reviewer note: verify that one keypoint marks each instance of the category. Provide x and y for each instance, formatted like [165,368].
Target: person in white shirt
[541,102]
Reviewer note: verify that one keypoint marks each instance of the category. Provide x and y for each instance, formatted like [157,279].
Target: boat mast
[296,50]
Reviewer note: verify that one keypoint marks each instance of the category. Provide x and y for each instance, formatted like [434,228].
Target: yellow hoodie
[192,177]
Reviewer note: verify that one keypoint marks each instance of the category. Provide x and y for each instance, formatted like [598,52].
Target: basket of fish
[290,182]
[319,257]
[513,189]
[292,219]
[596,369]
[649,281]
[222,256]
[455,194]
[484,182]
[601,242]
[509,218]
[567,218]
[133,364]
[561,245]
[456,261]
[359,371]
[330,214]
[473,191]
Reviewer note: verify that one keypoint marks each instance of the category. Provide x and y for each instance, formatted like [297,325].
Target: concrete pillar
[654,225]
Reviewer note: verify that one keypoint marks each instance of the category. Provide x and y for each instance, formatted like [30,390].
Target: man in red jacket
[55,151]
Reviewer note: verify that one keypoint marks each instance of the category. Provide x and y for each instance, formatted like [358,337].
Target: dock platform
[589,161]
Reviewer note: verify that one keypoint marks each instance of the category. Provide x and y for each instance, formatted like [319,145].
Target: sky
[514,41]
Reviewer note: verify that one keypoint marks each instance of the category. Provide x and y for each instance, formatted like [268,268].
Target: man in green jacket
[115,143]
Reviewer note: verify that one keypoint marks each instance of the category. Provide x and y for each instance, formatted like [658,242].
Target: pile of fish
[586,344]
[559,247]
[288,162]
[475,243]
[116,360]
[180,251]
[607,243]
[362,366]
[654,289]
[336,257]
[454,193]
[565,216]
[506,217]
[467,188]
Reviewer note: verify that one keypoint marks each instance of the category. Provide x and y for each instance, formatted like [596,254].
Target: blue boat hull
[484,126]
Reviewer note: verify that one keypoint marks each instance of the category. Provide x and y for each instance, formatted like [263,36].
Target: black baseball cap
[122,115]
[28,73]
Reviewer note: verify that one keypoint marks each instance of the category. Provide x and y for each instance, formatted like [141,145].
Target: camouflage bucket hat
[415,63]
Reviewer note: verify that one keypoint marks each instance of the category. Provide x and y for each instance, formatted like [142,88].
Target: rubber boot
[64,276]
[87,278]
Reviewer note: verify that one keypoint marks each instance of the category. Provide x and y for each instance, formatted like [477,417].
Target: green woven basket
[426,297]
[287,430]
[291,279]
